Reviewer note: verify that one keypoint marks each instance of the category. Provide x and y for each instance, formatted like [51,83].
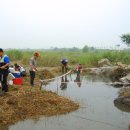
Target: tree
[74,49]
[126,39]
[85,49]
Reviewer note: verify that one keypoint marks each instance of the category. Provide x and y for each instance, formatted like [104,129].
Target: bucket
[18,81]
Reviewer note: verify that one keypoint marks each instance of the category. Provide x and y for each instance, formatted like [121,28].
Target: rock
[125,79]
[124,92]
[127,101]
[114,72]
[121,64]
[123,100]
[121,106]
[106,70]
[104,62]
[117,84]
[128,77]
[102,71]
[95,71]
[127,68]
[117,73]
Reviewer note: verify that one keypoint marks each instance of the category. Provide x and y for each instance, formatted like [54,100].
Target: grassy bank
[51,58]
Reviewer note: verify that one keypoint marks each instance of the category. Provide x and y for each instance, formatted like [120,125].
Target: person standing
[33,69]
[4,66]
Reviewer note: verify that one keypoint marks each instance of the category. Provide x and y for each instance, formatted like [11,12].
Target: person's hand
[35,69]
[2,67]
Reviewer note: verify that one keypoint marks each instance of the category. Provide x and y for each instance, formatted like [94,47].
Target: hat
[1,50]
[36,54]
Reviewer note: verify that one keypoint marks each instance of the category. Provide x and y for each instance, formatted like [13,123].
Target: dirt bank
[20,104]
[26,102]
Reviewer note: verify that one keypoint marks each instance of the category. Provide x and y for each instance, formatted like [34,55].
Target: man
[4,65]
[33,69]
[64,63]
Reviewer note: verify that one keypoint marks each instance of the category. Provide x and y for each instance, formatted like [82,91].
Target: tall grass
[50,58]
[15,54]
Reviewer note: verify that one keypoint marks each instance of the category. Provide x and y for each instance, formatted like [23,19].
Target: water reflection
[64,82]
[78,80]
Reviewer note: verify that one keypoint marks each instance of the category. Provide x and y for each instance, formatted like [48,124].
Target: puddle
[97,110]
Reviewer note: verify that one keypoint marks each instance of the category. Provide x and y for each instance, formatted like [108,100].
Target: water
[97,111]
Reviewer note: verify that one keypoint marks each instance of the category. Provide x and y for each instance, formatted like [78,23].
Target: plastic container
[17,75]
[18,81]
[11,76]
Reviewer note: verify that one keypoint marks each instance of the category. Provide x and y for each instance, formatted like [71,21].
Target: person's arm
[33,67]
[4,66]
[7,63]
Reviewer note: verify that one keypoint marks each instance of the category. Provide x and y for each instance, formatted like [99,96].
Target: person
[64,63]
[4,65]
[78,69]
[20,69]
[33,69]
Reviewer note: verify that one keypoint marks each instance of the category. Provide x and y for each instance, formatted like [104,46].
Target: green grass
[51,58]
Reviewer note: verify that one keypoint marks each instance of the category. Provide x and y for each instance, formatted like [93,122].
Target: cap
[1,50]
[36,54]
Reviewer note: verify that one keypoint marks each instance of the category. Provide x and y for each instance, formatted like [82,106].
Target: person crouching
[64,64]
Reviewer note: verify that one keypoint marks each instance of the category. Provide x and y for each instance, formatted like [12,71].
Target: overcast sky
[63,23]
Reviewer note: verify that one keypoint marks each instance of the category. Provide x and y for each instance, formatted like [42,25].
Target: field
[52,58]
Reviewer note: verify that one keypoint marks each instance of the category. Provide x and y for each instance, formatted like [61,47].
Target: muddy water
[97,111]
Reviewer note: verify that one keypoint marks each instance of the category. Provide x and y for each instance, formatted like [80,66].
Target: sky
[63,23]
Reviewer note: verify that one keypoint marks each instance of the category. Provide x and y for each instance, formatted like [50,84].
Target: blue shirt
[6,59]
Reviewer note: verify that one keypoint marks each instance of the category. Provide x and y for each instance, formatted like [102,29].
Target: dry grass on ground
[24,102]
[21,104]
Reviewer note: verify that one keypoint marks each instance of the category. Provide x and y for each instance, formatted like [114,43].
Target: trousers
[32,77]
[3,79]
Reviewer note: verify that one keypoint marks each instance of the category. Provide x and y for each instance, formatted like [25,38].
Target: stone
[104,62]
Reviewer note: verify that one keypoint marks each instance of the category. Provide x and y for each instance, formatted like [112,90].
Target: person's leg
[62,69]
[4,82]
[78,73]
[66,68]
[32,77]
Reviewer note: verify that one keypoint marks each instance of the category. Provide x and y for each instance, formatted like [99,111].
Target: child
[78,69]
